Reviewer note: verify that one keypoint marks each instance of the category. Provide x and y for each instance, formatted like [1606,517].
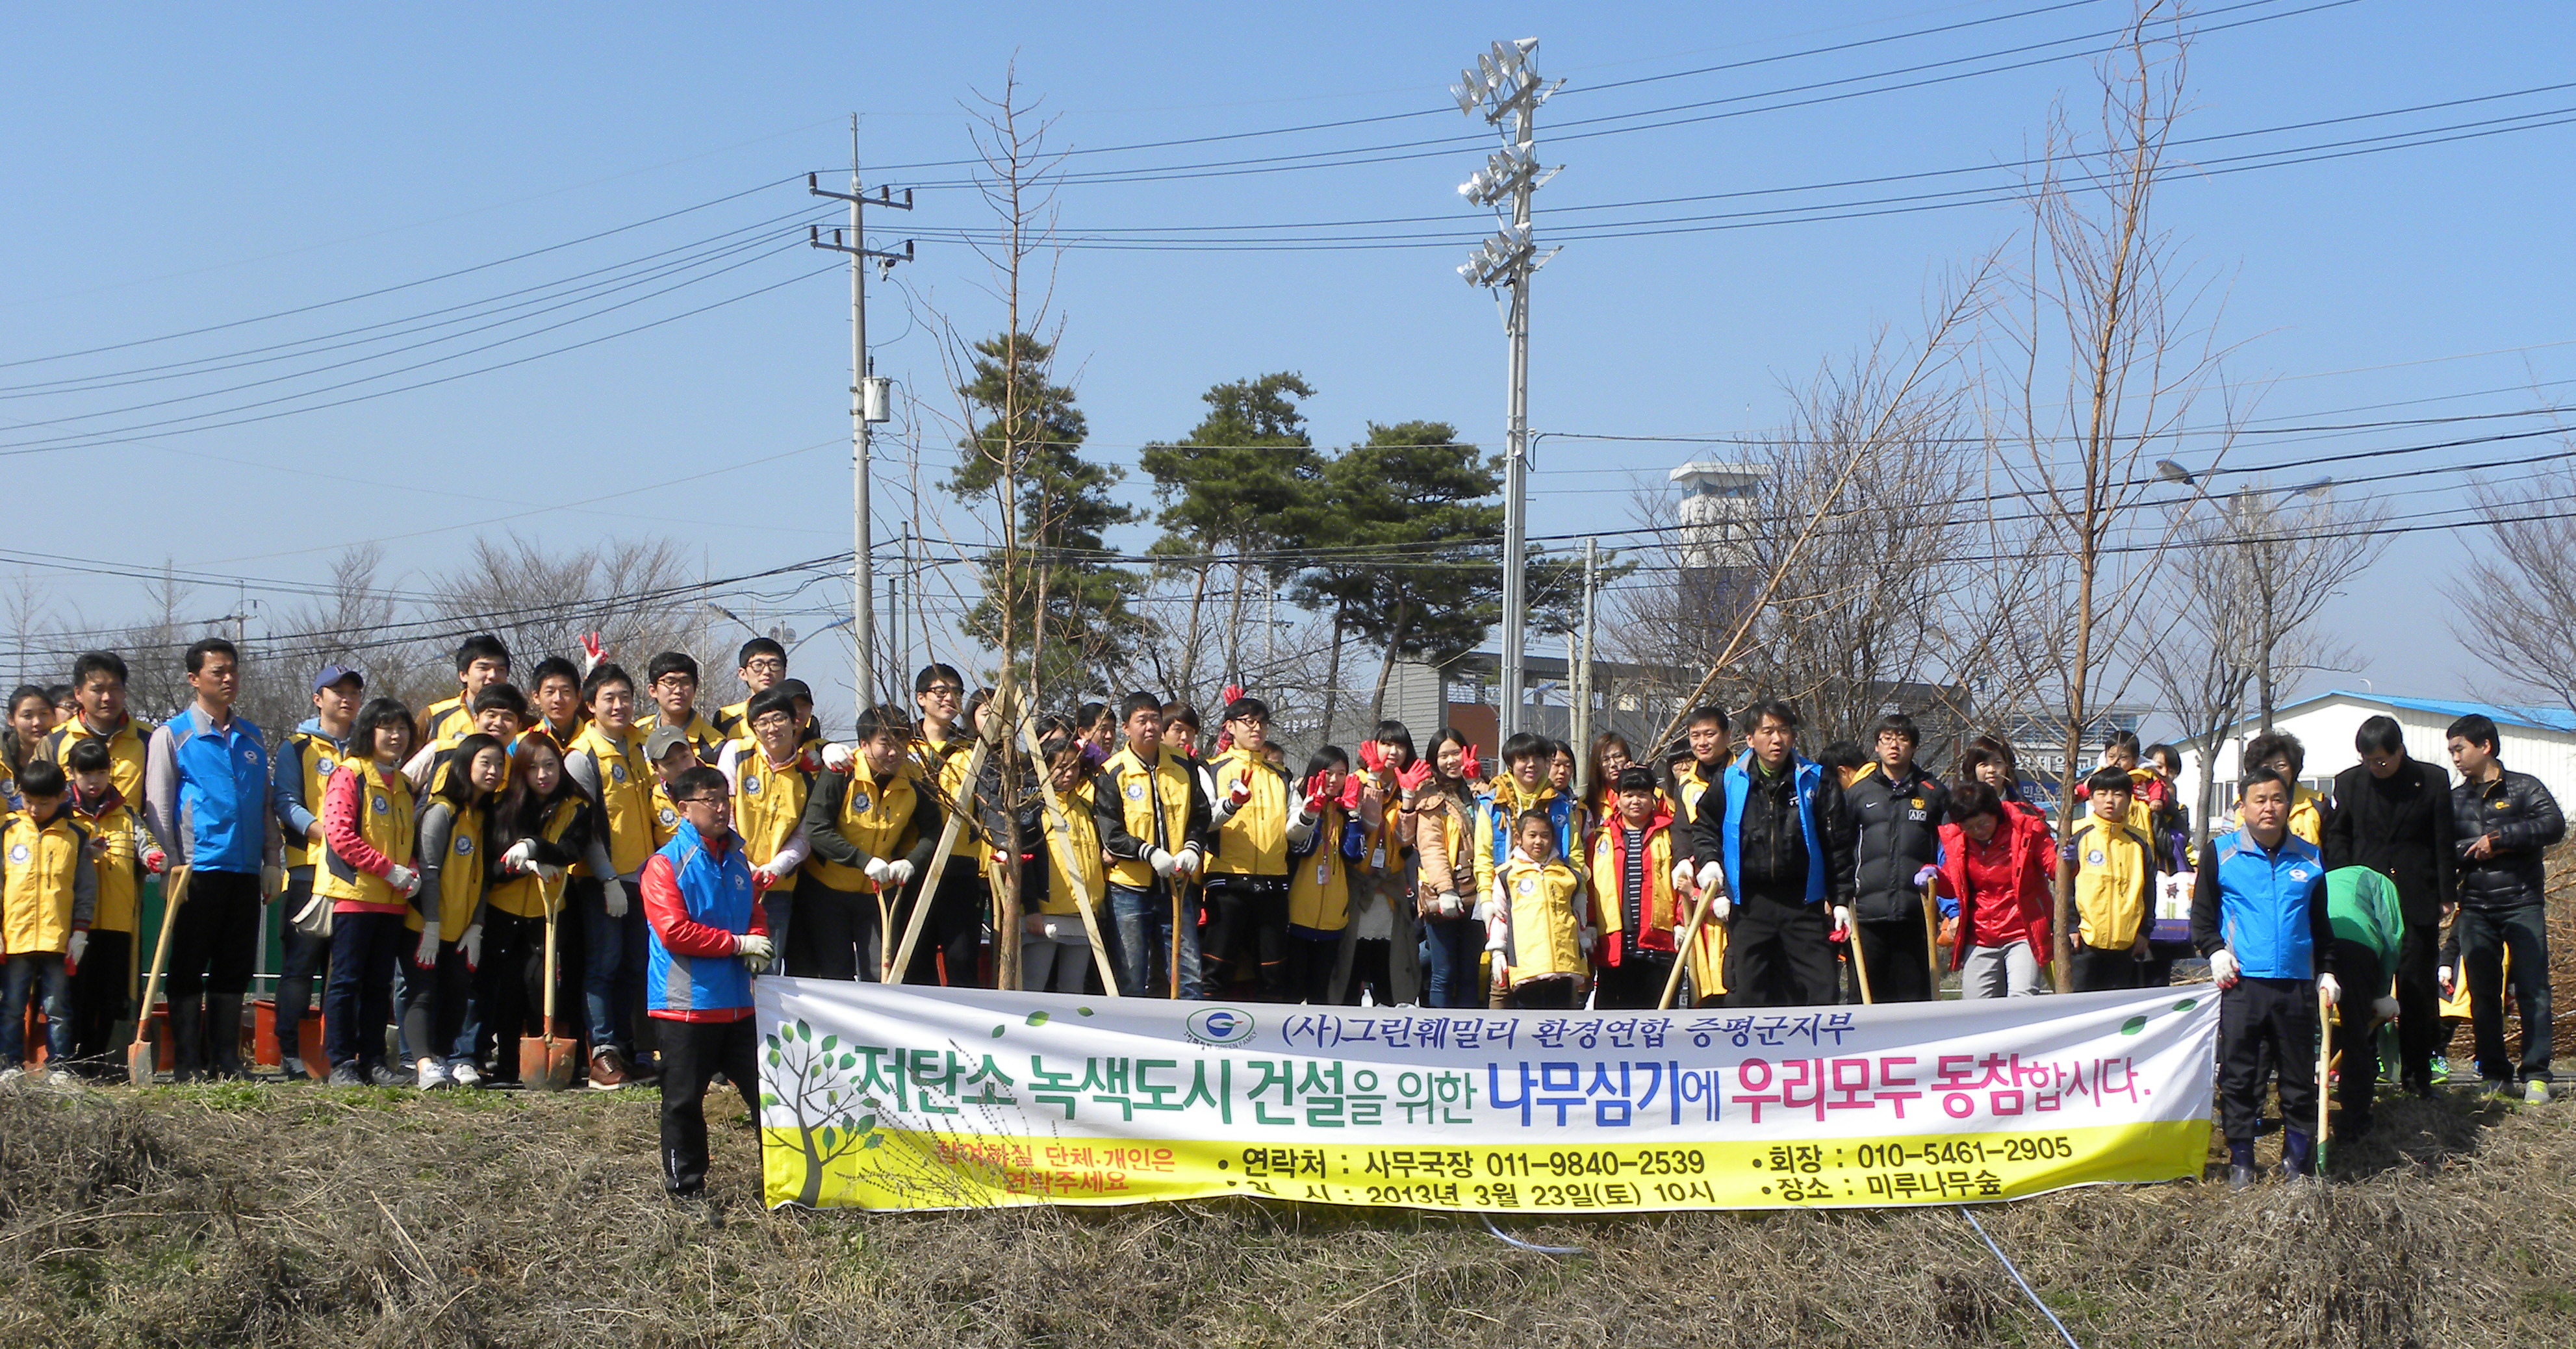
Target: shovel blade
[532,1062]
[546,1063]
[138,1062]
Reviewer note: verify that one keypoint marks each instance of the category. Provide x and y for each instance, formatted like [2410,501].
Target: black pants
[2364,980]
[1370,971]
[509,990]
[953,934]
[433,1000]
[1544,995]
[2157,970]
[2098,969]
[216,938]
[1247,934]
[1771,938]
[2420,1032]
[2485,936]
[2260,1020]
[693,1052]
[358,998]
[1310,968]
[1899,970]
[1635,983]
[99,996]
[834,934]
[305,959]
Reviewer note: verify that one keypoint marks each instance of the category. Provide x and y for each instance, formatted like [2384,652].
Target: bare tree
[641,596]
[2513,601]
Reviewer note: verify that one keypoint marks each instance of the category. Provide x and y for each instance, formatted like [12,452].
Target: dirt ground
[226,1215]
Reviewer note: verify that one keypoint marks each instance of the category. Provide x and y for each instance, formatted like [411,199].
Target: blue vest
[2263,904]
[1499,824]
[717,894]
[223,791]
[1738,784]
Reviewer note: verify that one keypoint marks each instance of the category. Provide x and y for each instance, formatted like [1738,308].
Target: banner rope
[1509,1240]
[2017,1278]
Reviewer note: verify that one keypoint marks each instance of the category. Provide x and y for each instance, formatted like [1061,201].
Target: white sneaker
[464,1074]
[2535,1092]
[433,1075]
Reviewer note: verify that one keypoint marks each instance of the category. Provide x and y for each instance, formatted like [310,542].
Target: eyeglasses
[706,801]
[942,691]
[766,664]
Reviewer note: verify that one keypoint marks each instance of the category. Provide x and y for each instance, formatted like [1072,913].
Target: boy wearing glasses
[957,911]
[761,666]
[672,684]
[708,941]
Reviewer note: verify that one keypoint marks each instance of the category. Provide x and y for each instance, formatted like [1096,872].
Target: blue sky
[177,169]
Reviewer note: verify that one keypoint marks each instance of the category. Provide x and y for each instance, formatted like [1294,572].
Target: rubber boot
[223,1036]
[2240,1165]
[2298,1153]
[187,1032]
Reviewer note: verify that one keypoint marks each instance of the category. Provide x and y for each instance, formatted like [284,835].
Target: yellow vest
[2111,866]
[1319,884]
[524,896]
[945,763]
[1139,790]
[768,803]
[389,824]
[1506,805]
[1542,938]
[321,759]
[1255,841]
[119,867]
[700,731]
[36,904]
[626,790]
[876,819]
[438,725]
[460,874]
[1073,853]
[126,750]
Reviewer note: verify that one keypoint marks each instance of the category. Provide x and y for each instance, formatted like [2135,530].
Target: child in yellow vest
[1545,934]
[2111,859]
[1061,874]
[120,852]
[1324,838]
[48,894]
[369,871]
[438,980]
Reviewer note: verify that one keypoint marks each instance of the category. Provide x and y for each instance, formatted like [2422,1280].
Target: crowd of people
[570,830]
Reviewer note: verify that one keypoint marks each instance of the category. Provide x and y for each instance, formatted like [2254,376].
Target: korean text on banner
[890,1097]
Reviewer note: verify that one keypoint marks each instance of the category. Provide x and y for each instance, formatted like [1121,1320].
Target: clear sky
[182,168]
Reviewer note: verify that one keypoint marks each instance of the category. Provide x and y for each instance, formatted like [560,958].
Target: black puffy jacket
[1899,824]
[2524,819]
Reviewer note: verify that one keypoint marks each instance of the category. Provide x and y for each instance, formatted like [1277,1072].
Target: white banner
[900,1097]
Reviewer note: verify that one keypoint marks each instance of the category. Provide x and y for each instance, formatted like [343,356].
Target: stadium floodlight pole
[1505,86]
[870,398]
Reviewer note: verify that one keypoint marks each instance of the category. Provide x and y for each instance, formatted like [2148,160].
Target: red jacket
[2032,854]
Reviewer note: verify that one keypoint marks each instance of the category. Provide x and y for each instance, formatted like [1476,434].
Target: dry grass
[295,1216]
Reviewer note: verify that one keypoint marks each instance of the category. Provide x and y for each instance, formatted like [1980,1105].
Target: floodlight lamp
[1493,76]
[2173,472]
[1466,96]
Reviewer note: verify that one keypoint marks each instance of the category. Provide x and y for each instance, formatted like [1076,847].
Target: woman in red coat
[1994,877]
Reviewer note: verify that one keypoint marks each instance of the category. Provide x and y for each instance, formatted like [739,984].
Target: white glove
[1924,877]
[755,950]
[2222,967]
[1712,877]
[2331,987]
[1161,861]
[1448,905]
[517,858]
[404,880]
[1682,874]
[472,944]
[898,873]
[2442,978]
[427,956]
[1495,935]
[80,943]
[612,897]
[1587,938]
[1484,911]
[1185,864]
[1681,936]
[837,758]
[1842,920]
[272,883]
[768,872]
[2383,1009]
[876,870]
[546,871]
[1240,792]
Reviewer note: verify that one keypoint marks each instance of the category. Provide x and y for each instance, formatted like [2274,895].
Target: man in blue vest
[708,940]
[206,789]
[1783,835]
[2258,912]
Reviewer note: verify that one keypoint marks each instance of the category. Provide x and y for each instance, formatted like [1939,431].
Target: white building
[2539,742]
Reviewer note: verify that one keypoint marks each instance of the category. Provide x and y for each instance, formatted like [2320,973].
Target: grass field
[228,1215]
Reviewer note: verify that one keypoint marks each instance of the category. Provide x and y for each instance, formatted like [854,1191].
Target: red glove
[1240,792]
[760,882]
[1467,766]
[1319,788]
[1371,757]
[154,860]
[1411,779]
[1352,786]
[1232,692]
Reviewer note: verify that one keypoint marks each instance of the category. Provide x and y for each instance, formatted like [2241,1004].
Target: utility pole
[1582,672]
[869,395]
[1505,86]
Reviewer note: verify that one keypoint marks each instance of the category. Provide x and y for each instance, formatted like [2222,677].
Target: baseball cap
[333,674]
[661,741]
